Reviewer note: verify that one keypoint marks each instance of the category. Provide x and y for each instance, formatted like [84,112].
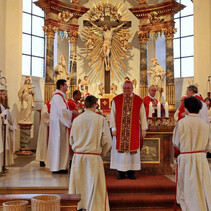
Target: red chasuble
[127,122]
[147,101]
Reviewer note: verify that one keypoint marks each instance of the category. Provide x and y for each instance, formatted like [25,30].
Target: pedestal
[25,131]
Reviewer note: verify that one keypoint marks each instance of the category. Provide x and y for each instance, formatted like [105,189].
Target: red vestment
[147,101]
[73,105]
[127,122]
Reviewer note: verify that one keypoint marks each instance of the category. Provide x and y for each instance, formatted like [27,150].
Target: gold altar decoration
[106,41]
[110,97]
[65,16]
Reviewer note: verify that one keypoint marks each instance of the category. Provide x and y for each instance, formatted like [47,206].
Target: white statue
[26,96]
[107,38]
[156,74]
[60,71]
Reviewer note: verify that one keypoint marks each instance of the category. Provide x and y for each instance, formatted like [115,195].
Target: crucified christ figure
[107,37]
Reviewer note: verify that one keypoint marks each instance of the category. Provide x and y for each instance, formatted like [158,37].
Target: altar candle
[150,109]
[158,109]
[166,109]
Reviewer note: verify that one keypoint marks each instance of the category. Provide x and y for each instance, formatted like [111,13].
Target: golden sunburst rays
[101,53]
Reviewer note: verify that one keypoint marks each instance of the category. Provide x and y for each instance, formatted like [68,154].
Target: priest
[90,138]
[60,121]
[42,142]
[127,111]
[192,90]
[192,136]
[151,98]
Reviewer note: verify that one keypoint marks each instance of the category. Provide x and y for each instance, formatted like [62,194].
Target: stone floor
[32,175]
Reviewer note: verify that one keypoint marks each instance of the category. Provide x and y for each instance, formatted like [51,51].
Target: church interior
[43,41]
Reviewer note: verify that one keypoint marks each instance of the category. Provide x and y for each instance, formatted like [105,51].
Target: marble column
[49,84]
[143,38]
[170,85]
[73,36]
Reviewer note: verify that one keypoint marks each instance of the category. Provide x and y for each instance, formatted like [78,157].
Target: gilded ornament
[50,30]
[106,43]
[65,16]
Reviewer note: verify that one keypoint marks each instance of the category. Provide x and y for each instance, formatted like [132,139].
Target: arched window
[33,40]
[183,41]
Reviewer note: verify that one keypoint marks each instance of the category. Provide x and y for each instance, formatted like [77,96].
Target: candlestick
[158,109]
[166,110]
[150,109]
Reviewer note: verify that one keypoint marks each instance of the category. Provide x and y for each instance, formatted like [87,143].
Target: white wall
[13,51]
[202,43]
[2,34]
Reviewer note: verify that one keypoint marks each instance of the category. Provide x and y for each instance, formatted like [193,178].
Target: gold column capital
[143,36]
[73,36]
[169,33]
[50,30]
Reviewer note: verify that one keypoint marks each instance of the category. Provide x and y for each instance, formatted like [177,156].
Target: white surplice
[42,143]
[58,142]
[89,134]
[125,161]
[194,178]
[11,127]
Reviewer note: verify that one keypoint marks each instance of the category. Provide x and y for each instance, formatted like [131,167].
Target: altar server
[42,143]
[90,138]
[11,127]
[127,113]
[192,137]
[60,121]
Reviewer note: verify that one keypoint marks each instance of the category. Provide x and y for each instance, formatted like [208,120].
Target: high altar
[106,58]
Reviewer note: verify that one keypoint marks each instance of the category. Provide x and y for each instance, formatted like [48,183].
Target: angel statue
[65,16]
[26,96]
[107,38]
[113,88]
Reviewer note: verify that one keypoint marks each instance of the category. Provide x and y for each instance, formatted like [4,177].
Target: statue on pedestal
[60,71]
[156,74]
[26,96]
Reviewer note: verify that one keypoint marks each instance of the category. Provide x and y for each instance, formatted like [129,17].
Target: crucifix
[107,27]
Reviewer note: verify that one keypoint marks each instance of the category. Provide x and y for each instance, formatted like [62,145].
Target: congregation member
[193,91]
[42,143]
[60,121]
[127,112]
[192,137]
[90,138]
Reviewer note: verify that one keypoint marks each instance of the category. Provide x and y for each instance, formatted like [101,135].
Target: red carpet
[145,193]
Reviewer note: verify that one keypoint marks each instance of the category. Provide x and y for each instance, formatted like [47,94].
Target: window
[183,41]
[33,40]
